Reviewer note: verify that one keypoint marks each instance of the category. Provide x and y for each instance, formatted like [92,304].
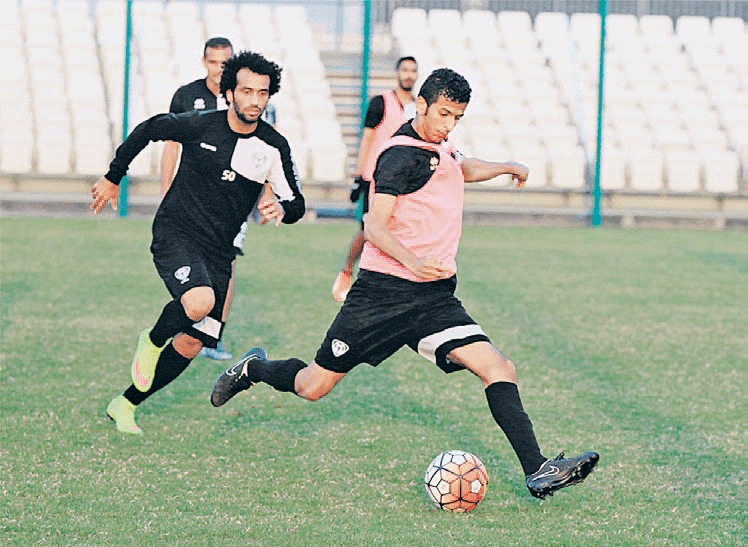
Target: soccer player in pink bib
[404,292]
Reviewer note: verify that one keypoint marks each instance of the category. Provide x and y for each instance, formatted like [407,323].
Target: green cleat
[122,412]
[144,363]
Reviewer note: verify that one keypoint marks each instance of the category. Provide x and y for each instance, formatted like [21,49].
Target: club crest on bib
[183,274]
[339,347]
[199,104]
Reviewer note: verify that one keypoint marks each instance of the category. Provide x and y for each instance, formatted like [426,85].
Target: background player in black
[202,94]
[227,156]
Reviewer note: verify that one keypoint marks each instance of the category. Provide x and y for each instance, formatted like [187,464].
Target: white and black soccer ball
[456,481]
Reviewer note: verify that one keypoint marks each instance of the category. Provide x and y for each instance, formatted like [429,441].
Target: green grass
[632,343]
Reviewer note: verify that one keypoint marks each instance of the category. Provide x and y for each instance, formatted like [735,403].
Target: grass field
[631,343]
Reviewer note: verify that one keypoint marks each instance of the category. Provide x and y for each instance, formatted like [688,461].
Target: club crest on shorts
[183,274]
[339,347]
[433,163]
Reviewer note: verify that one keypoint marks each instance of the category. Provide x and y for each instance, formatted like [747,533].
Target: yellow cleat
[144,363]
[122,412]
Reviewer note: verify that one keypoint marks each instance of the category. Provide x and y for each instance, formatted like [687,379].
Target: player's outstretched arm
[103,191]
[476,170]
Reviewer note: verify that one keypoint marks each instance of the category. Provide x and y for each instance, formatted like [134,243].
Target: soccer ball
[456,481]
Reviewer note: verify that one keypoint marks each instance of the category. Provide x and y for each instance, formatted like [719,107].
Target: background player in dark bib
[404,294]
[227,156]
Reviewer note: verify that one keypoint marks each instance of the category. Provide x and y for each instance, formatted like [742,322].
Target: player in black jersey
[205,94]
[202,94]
[227,156]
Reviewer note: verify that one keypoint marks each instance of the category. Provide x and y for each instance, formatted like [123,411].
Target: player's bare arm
[364,149]
[379,235]
[103,191]
[169,164]
[476,170]
[269,207]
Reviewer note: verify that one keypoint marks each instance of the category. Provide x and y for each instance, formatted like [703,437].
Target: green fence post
[124,185]
[596,217]
[365,52]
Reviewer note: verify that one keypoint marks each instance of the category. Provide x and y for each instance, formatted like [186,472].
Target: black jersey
[196,96]
[220,177]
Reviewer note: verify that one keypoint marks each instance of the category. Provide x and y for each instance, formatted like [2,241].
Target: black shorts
[184,266]
[383,313]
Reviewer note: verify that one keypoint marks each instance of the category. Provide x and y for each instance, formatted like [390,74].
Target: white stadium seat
[568,167]
[53,150]
[721,171]
[16,149]
[409,21]
[645,169]
[657,25]
[683,171]
[613,168]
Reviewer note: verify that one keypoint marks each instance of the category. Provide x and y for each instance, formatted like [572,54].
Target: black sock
[172,321]
[506,408]
[277,374]
[170,365]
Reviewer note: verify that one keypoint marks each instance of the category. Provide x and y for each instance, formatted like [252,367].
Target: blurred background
[674,127]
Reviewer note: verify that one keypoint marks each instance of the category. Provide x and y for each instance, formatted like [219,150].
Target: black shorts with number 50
[382,313]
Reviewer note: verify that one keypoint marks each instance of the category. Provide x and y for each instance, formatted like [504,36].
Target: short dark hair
[254,62]
[445,81]
[218,43]
[403,59]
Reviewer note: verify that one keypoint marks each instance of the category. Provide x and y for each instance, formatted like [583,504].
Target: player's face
[434,122]
[407,74]
[251,95]
[213,63]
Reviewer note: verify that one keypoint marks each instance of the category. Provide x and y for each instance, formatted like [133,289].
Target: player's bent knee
[311,393]
[198,302]
[314,382]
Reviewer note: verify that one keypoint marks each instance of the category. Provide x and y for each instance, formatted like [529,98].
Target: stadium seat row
[66,70]
[674,117]
[670,91]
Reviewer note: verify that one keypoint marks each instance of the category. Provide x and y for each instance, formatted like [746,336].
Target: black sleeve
[403,170]
[284,180]
[161,127]
[177,103]
[375,112]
